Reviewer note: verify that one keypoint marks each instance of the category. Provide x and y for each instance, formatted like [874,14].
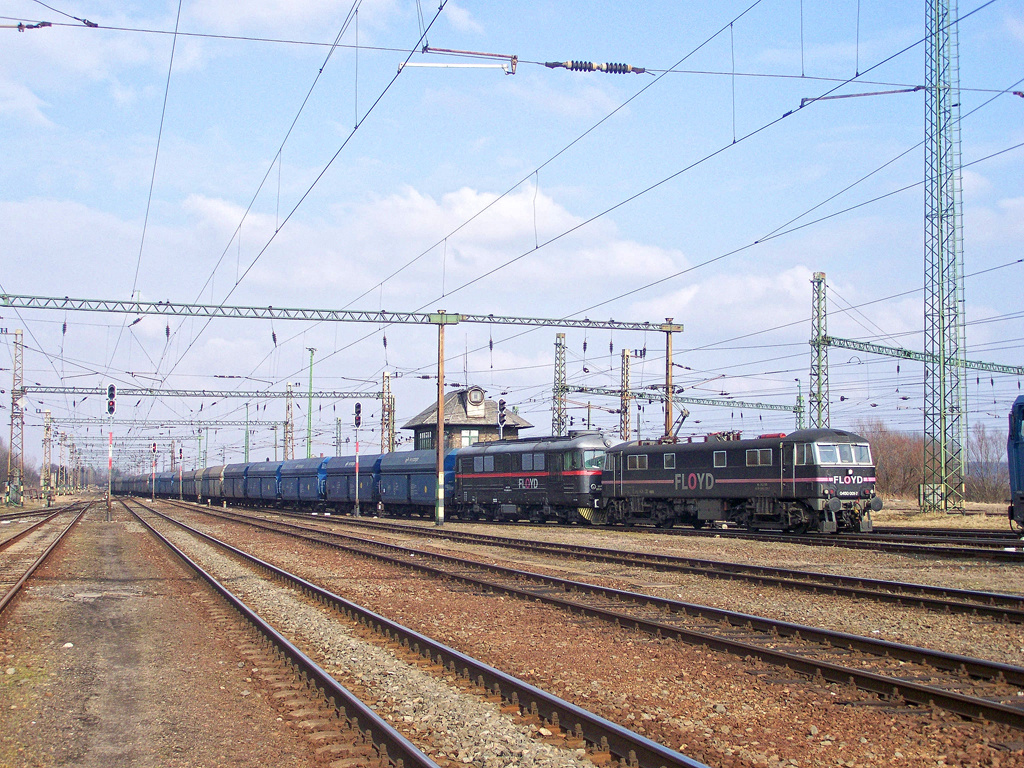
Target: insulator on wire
[590,66]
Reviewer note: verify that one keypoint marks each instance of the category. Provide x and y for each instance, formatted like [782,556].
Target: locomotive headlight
[849,471]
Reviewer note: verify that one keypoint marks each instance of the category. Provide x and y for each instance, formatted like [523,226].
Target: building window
[670,460]
[470,437]
[425,440]
[720,459]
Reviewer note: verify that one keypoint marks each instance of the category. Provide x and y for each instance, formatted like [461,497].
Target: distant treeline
[899,462]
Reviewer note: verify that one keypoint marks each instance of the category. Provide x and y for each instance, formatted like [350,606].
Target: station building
[469,417]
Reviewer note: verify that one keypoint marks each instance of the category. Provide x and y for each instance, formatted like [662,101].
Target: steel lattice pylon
[387,415]
[945,394]
[819,394]
[289,428]
[45,480]
[16,455]
[626,399]
[558,418]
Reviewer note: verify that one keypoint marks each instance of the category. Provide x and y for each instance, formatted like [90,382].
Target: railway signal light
[501,413]
[111,394]
[359,414]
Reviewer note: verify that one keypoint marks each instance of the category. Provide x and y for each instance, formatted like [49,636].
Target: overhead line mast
[945,393]
[440,319]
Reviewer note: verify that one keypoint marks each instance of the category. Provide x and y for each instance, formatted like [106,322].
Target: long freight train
[810,480]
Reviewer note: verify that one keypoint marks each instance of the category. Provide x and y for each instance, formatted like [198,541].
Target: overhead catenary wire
[279,166]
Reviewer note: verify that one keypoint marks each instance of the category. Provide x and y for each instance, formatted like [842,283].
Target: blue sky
[646,194]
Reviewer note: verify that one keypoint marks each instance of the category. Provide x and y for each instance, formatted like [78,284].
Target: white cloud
[22,104]
[1002,224]
[461,19]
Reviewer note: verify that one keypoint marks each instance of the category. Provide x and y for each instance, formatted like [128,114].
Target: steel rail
[843,541]
[995,605]
[604,734]
[886,685]
[26,531]
[13,591]
[389,743]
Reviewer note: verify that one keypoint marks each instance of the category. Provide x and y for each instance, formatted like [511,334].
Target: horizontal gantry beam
[921,357]
[441,317]
[201,393]
[640,394]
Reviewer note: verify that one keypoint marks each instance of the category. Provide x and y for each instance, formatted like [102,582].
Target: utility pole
[441,318]
[669,329]
[309,406]
[247,433]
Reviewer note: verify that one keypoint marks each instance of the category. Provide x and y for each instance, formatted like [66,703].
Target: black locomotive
[538,479]
[810,480]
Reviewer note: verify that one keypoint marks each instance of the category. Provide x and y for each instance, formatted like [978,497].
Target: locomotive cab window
[759,457]
[843,453]
[634,461]
[720,459]
[593,459]
[670,460]
[572,460]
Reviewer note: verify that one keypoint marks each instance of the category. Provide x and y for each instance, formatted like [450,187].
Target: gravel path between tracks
[462,729]
[109,660]
[714,707]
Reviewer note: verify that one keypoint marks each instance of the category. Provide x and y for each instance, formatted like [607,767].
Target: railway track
[578,726]
[1008,549]
[998,606]
[972,688]
[22,553]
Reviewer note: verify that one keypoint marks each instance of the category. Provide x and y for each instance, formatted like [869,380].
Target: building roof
[455,414]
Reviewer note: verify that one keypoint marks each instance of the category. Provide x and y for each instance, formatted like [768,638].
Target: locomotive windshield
[583,460]
[843,453]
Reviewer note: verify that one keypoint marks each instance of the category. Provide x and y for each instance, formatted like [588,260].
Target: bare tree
[898,456]
[988,477]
